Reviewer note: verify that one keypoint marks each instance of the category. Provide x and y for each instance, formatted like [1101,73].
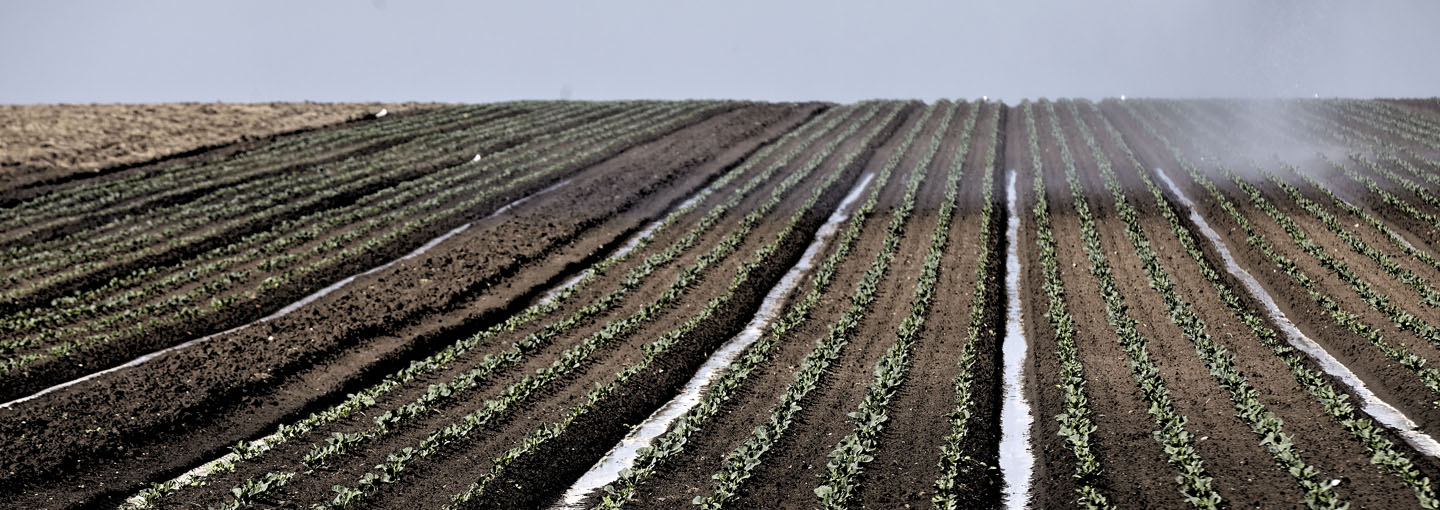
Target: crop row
[1428,296]
[1390,234]
[90,303]
[296,236]
[634,278]
[1409,128]
[1383,451]
[1076,423]
[660,346]
[1218,359]
[1179,444]
[448,197]
[572,358]
[739,463]
[107,297]
[254,205]
[1356,139]
[1350,321]
[987,287]
[160,186]
[254,200]
[1415,171]
[1376,299]
[149,192]
[855,450]
[1409,185]
[531,343]
[673,442]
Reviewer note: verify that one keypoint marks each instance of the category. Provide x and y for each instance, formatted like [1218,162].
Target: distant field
[1139,303]
[46,142]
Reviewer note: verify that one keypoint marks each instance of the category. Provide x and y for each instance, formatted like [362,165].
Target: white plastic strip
[1017,460]
[1372,404]
[285,310]
[265,443]
[622,456]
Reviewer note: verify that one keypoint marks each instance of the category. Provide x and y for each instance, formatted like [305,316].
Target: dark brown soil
[1324,442]
[797,463]
[445,474]
[1134,465]
[906,463]
[97,442]
[750,405]
[306,365]
[1361,483]
[48,371]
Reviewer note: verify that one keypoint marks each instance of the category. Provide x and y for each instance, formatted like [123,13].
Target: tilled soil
[99,441]
[687,474]
[258,364]
[1326,442]
[255,305]
[906,462]
[46,144]
[1359,482]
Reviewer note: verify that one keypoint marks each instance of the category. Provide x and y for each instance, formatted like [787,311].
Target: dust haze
[148,51]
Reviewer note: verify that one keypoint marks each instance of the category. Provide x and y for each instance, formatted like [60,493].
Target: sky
[82,51]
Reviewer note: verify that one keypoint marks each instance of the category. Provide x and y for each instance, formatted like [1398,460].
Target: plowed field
[1140,303]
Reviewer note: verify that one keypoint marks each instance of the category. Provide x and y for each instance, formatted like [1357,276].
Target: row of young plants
[1348,135]
[1348,320]
[369,173]
[1335,402]
[311,147]
[95,302]
[123,238]
[1398,124]
[1390,234]
[1410,128]
[1077,425]
[80,193]
[1394,115]
[363,216]
[108,241]
[739,464]
[299,192]
[1417,122]
[437,394]
[1379,301]
[1179,444]
[416,370]
[149,186]
[156,288]
[157,189]
[1414,188]
[448,198]
[651,459]
[386,473]
[1428,296]
[120,293]
[953,460]
[850,455]
[1342,133]
[1414,170]
[1218,359]
[570,360]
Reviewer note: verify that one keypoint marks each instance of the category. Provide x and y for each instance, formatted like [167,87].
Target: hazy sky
[333,50]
